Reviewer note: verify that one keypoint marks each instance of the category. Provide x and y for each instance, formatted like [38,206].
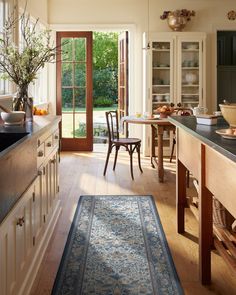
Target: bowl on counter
[13,118]
[229,113]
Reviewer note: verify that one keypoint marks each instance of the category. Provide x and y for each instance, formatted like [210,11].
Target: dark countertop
[18,162]
[207,134]
[39,125]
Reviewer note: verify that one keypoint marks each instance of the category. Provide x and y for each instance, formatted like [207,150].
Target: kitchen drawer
[48,145]
[40,154]
[56,138]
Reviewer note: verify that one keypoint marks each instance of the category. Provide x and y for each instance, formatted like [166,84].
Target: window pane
[67,74]
[80,74]
[67,51]
[80,49]
[67,99]
[80,99]
[67,125]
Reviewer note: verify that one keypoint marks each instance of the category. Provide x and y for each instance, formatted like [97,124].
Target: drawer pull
[56,137]
[40,154]
[20,221]
[49,144]
[39,142]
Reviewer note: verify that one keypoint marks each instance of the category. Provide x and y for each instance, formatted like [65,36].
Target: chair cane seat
[126,141]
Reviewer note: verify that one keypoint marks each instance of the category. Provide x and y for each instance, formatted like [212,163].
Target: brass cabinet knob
[49,144]
[56,137]
[20,221]
[53,161]
[39,142]
[40,154]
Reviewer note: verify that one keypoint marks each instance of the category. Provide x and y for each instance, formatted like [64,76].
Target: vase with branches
[20,64]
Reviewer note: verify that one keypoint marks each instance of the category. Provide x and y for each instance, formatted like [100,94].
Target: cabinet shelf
[190,85]
[160,93]
[190,50]
[190,68]
[160,85]
[160,50]
[190,94]
[160,68]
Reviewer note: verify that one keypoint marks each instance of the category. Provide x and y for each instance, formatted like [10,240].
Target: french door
[123,74]
[74,90]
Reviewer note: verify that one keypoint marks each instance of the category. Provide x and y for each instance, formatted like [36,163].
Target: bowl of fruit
[40,112]
[164,111]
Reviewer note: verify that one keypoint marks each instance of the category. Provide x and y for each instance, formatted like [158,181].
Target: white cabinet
[174,73]
[175,70]
[17,242]
[26,230]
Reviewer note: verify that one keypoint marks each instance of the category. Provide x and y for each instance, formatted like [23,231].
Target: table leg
[160,131]
[181,200]
[205,226]
[153,156]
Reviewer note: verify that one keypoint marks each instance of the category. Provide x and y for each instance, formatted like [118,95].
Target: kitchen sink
[8,139]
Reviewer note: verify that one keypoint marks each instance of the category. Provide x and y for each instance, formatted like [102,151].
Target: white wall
[37,8]
[210,15]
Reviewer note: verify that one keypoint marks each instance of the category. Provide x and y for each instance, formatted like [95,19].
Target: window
[4,5]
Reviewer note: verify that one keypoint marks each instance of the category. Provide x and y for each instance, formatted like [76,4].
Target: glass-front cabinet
[174,73]
[175,70]
[162,72]
[190,72]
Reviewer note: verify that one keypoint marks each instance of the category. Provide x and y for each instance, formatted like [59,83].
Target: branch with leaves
[21,62]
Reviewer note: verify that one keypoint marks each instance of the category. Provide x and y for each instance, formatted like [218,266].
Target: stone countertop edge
[35,128]
[207,134]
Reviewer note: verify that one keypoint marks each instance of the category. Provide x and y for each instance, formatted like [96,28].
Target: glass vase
[23,102]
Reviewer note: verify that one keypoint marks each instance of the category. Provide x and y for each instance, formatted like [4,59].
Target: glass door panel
[161,73]
[74,87]
[190,79]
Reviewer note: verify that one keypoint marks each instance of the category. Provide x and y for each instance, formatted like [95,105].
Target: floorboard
[82,173]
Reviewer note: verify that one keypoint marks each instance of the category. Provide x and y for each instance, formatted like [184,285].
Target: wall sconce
[231,15]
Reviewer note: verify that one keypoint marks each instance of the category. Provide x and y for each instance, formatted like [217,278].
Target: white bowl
[13,118]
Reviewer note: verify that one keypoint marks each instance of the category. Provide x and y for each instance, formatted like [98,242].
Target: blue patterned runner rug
[116,246]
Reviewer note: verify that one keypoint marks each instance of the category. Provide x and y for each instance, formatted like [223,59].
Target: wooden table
[156,124]
[212,161]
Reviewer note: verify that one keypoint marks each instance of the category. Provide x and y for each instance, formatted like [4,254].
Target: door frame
[77,144]
[134,92]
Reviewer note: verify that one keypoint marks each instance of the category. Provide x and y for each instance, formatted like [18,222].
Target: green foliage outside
[105,70]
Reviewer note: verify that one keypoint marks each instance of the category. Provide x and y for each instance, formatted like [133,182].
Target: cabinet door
[37,211]
[189,78]
[16,244]
[162,65]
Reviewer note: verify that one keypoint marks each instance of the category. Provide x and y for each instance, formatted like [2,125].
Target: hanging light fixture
[148,28]
[147,45]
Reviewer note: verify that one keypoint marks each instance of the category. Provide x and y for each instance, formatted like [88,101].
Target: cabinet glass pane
[160,73]
[67,49]
[190,73]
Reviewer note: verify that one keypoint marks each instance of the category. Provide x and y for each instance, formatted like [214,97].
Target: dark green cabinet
[226,66]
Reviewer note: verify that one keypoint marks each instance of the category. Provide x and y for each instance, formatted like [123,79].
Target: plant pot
[176,23]
[22,102]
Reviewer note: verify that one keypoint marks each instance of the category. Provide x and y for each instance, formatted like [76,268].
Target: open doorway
[86,91]
[110,79]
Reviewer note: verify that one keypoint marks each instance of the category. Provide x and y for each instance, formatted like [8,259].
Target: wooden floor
[82,173]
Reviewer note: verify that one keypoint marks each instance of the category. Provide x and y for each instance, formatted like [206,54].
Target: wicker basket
[221,217]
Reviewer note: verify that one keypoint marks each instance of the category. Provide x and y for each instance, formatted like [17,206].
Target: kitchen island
[212,161]
[29,202]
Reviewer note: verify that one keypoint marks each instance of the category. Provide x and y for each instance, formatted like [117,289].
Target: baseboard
[40,251]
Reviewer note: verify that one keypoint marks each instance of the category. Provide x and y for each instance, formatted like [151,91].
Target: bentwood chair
[114,141]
